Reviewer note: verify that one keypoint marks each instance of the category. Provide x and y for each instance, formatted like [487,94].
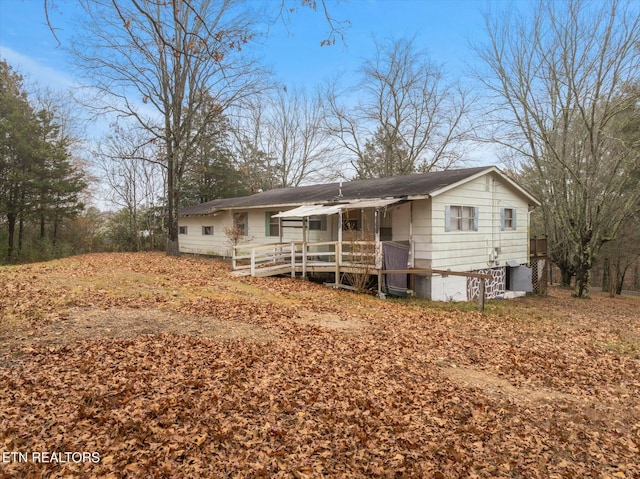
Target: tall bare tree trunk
[11,224]
[611,282]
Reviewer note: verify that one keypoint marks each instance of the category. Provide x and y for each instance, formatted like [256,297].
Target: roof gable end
[492,169]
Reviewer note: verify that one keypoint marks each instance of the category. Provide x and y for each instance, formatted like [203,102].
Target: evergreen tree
[212,171]
[60,181]
[17,123]
[39,181]
[384,156]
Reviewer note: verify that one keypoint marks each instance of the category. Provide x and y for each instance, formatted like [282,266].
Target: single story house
[449,227]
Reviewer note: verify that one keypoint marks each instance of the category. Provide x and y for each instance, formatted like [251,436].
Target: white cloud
[35,70]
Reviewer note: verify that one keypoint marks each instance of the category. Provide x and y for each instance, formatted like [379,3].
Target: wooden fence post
[253,261]
[304,260]
[481,295]
[336,256]
[293,260]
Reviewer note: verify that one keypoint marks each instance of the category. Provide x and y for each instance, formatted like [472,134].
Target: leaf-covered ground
[165,367]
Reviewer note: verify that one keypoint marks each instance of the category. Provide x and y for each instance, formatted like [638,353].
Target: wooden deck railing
[298,255]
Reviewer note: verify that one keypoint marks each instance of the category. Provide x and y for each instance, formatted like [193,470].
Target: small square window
[462,218]
[182,230]
[207,230]
[317,223]
[508,219]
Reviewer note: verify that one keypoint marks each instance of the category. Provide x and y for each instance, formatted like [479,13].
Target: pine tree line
[41,184]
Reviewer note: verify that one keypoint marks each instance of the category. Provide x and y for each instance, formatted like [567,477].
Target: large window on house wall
[352,220]
[507,219]
[461,218]
[182,230]
[271,224]
[240,223]
[207,230]
[317,223]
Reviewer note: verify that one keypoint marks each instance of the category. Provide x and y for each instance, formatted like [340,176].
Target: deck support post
[293,260]
[339,249]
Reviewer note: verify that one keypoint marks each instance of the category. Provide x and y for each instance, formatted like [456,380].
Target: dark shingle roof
[392,187]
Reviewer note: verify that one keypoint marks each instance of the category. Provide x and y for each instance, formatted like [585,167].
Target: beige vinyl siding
[196,243]
[400,218]
[422,244]
[432,245]
[217,244]
[470,250]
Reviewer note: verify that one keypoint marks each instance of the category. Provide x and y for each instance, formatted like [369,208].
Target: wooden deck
[300,258]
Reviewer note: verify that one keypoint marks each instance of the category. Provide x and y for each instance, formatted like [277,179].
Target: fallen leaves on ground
[332,384]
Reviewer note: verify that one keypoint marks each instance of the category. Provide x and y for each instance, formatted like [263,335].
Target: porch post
[304,260]
[411,264]
[378,251]
[304,246]
[339,248]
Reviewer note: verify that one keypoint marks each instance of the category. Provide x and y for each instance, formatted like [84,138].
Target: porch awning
[370,203]
[309,210]
[318,210]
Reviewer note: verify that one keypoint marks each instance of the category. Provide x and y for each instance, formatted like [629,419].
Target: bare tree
[621,254]
[160,63]
[247,126]
[285,9]
[559,75]
[157,60]
[282,140]
[130,168]
[167,55]
[407,118]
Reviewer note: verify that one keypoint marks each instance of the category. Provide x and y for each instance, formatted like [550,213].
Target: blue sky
[442,27]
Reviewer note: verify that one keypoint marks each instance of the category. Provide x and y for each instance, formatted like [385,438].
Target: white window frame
[271,223]
[317,223]
[207,230]
[508,221]
[461,218]
[182,230]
